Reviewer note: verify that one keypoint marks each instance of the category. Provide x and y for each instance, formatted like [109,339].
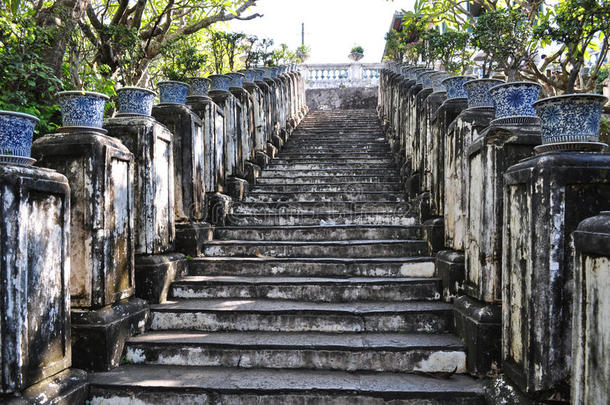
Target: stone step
[327,179]
[307,145]
[308,288]
[317,232]
[332,160]
[388,352]
[344,248]
[301,316]
[272,173]
[331,155]
[338,187]
[277,165]
[310,207]
[164,385]
[264,196]
[321,218]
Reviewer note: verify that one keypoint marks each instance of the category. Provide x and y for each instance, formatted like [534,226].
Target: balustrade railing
[320,76]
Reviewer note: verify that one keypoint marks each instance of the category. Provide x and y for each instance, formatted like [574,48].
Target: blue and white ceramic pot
[427,79]
[259,75]
[135,100]
[82,108]
[515,99]
[478,92]
[413,73]
[437,81]
[16,130]
[172,92]
[237,80]
[455,87]
[419,76]
[220,83]
[570,117]
[199,87]
[249,75]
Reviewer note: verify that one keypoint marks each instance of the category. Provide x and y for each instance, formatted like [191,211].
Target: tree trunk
[61,20]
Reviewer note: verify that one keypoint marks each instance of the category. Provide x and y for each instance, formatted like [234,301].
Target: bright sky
[332,27]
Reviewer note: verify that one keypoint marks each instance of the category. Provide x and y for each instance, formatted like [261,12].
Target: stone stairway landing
[320,290]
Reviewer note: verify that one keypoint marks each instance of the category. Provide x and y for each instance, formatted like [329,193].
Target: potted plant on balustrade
[505,37]
[356,53]
[182,62]
[450,49]
[571,122]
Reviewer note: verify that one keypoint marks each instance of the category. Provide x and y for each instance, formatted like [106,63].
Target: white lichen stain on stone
[135,355]
[420,269]
[442,362]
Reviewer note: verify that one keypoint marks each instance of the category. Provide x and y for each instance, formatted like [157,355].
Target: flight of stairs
[320,292]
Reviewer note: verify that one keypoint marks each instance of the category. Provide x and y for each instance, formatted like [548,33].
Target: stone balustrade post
[270,149]
[498,147]
[151,143]
[591,309]
[105,312]
[545,198]
[35,337]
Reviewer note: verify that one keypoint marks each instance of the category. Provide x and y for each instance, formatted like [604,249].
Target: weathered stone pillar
[545,198]
[466,125]
[260,157]
[591,322]
[100,170]
[270,149]
[34,271]
[413,181]
[497,148]
[247,136]
[152,146]
[189,176]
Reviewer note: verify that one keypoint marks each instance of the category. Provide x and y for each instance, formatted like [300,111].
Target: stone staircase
[320,292]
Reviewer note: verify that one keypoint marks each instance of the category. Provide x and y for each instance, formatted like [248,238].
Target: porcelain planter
[16,130]
[413,73]
[437,82]
[259,75]
[427,79]
[199,87]
[515,100]
[82,108]
[478,92]
[236,80]
[455,87]
[249,75]
[219,83]
[270,72]
[572,118]
[356,56]
[419,76]
[172,92]
[135,100]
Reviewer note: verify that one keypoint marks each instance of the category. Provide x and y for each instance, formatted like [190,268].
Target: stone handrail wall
[324,76]
[500,219]
[111,215]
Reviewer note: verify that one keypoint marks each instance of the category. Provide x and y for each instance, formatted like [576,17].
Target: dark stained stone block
[434,235]
[99,336]
[34,271]
[237,188]
[190,237]
[450,269]
[155,273]
[478,324]
[68,387]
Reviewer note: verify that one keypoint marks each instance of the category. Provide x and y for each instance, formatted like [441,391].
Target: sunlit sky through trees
[332,27]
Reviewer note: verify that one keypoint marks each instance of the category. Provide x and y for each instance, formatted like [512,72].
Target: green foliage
[505,37]
[453,51]
[27,84]
[302,53]
[182,60]
[357,49]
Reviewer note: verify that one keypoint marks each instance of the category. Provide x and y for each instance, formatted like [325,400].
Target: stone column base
[450,269]
[277,141]
[412,185]
[261,159]
[67,387]
[155,273]
[237,188]
[434,234]
[479,325]
[190,237]
[99,335]
[271,150]
[219,208]
[253,172]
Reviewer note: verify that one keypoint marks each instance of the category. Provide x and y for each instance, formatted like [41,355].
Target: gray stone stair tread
[313,228]
[300,280]
[305,340]
[277,306]
[282,381]
[342,260]
[352,242]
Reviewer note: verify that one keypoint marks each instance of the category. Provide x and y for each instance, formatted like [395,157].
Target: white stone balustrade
[326,76]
